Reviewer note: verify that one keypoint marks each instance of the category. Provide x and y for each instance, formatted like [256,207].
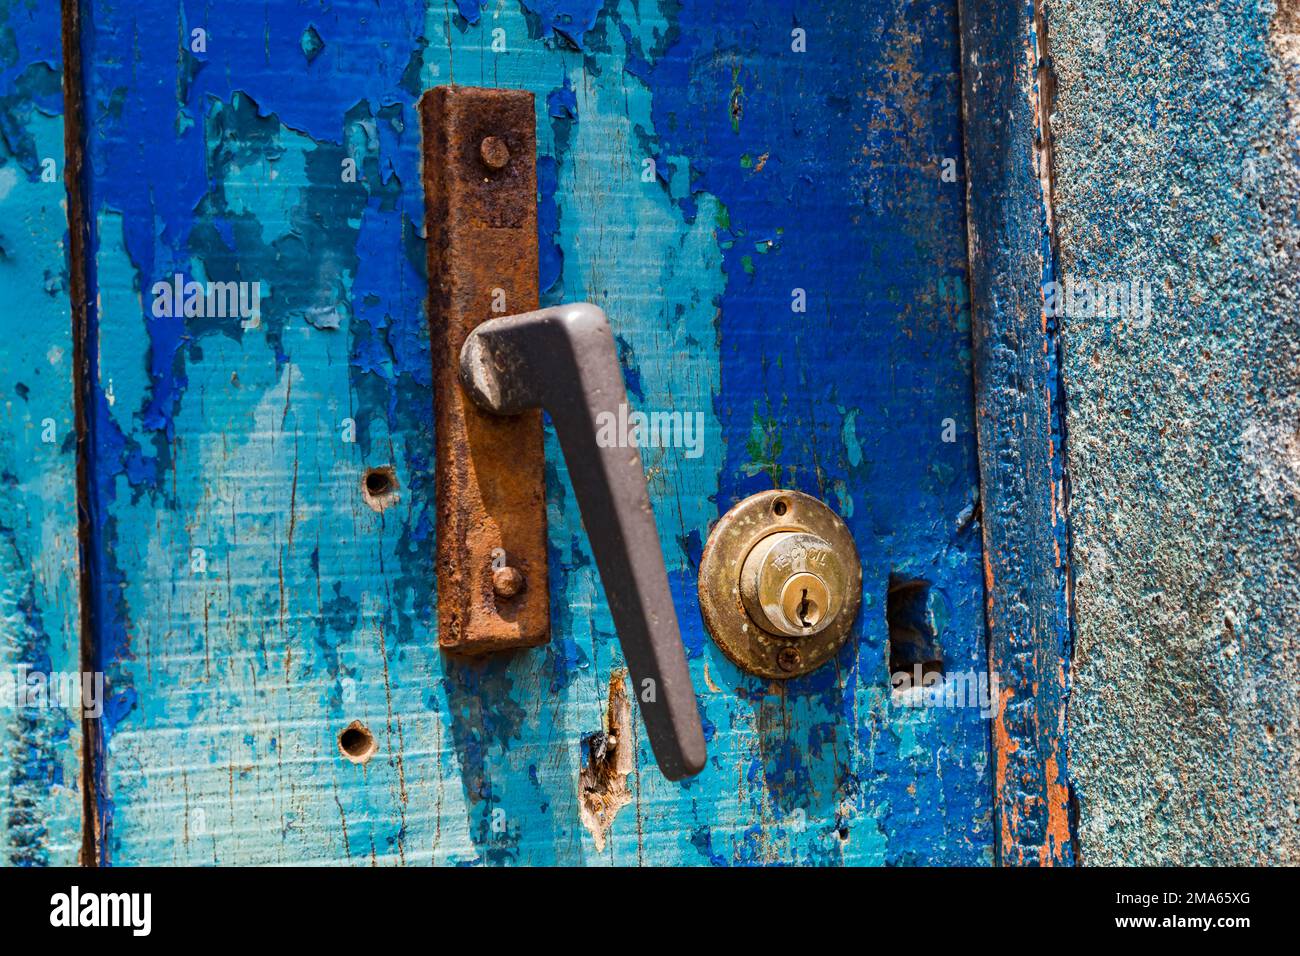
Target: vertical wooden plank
[764,220]
[823,174]
[40,666]
[1018,403]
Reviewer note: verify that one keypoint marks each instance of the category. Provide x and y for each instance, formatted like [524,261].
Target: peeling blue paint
[258,605]
[570,19]
[40,745]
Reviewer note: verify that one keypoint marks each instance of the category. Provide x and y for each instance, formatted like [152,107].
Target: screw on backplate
[789,659]
[494,152]
[507,582]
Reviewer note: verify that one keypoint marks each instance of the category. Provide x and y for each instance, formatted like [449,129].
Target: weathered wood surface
[1017,372]
[252,604]
[40,745]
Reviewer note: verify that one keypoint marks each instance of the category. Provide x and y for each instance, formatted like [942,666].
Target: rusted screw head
[507,582]
[789,659]
[494,152]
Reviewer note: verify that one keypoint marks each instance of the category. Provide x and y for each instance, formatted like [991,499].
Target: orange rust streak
[1058,817]
[988,583]
[1004,747]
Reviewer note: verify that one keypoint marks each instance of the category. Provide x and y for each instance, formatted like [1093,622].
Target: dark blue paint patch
[562,103]
[570,19]
[566,658]
[550,258]
[631,373]
[335,621]
[702,840]
[636,64]
[683,585]
[470,10]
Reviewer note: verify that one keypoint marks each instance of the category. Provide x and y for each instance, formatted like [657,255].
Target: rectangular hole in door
[912,639]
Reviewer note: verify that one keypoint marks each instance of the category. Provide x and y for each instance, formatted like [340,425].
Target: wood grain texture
[253,606]
[1026,537]
[40,732]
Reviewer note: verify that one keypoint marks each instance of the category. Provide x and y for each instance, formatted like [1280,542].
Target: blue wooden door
[768,202]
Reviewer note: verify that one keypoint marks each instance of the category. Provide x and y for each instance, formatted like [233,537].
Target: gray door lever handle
[562,359]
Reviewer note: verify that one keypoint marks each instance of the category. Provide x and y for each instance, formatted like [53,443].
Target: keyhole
[804,599]
[807,609]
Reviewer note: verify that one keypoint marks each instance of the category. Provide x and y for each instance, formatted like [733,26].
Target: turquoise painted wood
[40,724]
[754,194]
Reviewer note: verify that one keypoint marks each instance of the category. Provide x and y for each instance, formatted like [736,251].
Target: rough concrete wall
[1175,151]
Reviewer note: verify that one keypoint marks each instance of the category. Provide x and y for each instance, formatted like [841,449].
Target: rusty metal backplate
[746,644]
[480,185]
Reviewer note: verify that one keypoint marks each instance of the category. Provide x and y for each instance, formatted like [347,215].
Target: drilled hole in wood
[913,642]
[379,487]
[357,743]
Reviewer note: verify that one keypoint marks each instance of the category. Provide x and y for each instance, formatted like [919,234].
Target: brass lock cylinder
[792,583]
[780,584]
